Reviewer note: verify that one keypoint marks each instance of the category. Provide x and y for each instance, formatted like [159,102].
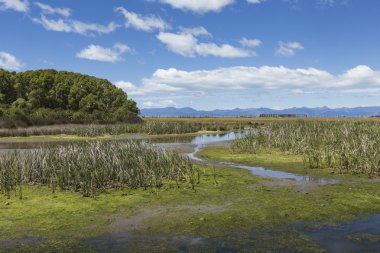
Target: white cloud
[198,6]
[186,43]
[239,78]
[75,26]
[250,42]
[158,104]
[177,83]
[9,62]
[132,89]
[255,1]
[99,53]
[145,23]
[183,44]
[224,50]
[16,5]
[288,48]
[47,9]
[196,31]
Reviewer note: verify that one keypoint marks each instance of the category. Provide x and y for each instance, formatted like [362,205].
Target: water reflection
[300,179]
[201,139]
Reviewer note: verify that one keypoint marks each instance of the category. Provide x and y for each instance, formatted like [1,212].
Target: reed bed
[148,127]
[94,166]
[346,147]
[101,130]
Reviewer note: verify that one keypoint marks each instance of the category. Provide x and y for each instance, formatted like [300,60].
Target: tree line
[51,96]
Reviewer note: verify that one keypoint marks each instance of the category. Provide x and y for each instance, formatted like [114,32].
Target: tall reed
[95,166]
[347,147]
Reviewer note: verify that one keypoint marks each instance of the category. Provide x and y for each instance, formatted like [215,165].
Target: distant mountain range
[310,112]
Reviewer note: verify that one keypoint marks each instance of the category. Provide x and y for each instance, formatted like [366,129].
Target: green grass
[243,203]
[273,160]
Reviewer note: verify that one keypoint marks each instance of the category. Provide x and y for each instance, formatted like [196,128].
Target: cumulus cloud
[132,89]
[266,77]
[16,5]
[198,6]
[158,104]
[186,43]
[99,53]
[145,23]
[126,86]
[47,9]
[75,26]
[250,42]
[9,62]
[288,48]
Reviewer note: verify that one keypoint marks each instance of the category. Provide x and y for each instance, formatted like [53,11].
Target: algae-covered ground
[231,210]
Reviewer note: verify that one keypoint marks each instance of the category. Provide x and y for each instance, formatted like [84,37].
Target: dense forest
[49,96]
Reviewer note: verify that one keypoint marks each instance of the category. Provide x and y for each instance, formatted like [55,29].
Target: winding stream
[202,141]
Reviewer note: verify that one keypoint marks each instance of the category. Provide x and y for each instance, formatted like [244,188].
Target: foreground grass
[228,204]
[93,167]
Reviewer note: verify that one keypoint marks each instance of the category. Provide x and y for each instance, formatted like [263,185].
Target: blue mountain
[253,112]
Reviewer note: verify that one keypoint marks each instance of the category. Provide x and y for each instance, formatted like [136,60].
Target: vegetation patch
[44,97]
[94,166]
[345,147]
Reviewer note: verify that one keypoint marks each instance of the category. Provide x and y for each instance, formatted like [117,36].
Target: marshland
[269,184]
[190,126]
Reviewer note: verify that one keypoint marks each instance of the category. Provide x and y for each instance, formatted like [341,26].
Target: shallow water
[358,236]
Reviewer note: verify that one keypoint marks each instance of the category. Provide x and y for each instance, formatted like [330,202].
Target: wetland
[267,201]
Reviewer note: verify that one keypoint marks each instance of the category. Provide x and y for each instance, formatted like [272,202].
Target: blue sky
[206,54]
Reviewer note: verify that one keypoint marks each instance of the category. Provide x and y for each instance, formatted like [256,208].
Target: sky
[205,54]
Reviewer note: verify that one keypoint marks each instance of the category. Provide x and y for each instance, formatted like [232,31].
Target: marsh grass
[93,167]
[148,127]
[346,147]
